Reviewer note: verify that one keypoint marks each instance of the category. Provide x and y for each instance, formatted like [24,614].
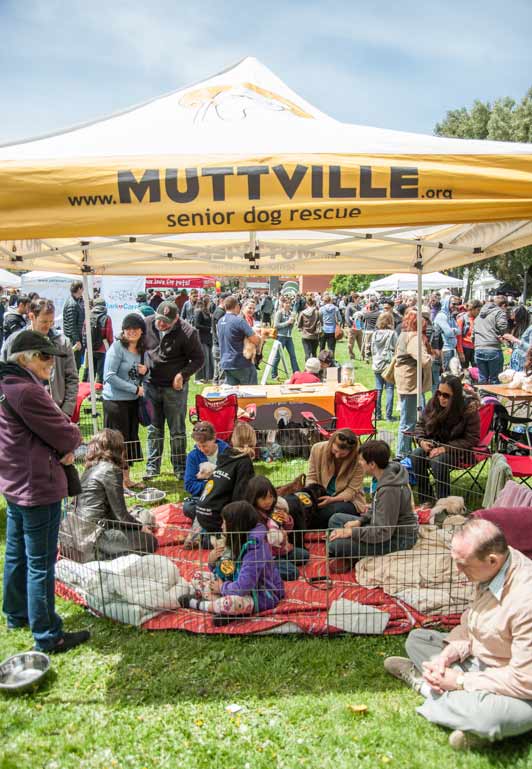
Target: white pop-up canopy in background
[9,280]
[404,281]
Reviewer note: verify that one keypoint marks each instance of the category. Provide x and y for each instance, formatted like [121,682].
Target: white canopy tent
[238,175]
[8,279]
[404,281]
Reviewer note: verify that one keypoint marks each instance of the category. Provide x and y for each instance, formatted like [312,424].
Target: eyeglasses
[346,439]
[443,395]
[45,357]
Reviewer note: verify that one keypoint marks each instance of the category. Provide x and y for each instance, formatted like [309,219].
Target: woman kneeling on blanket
[243,579]
[103,521]
[389,523]
[335,465]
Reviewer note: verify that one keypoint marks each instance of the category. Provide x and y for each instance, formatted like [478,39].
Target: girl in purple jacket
[249,581]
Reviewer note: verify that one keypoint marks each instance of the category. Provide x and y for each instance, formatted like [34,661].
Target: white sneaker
[403,669]
[459,740]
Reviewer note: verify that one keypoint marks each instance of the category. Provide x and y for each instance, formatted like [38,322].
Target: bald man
[477,679]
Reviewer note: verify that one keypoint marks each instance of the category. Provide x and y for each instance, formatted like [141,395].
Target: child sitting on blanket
[228,482]
[273,512]
[252,584]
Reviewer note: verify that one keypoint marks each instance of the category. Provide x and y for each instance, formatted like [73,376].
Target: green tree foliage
[504,120]
[344,284]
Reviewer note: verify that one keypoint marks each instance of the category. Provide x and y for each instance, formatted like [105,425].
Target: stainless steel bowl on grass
[151,495]
[23,672]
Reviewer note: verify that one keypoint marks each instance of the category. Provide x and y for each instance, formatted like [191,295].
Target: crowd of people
[253,531]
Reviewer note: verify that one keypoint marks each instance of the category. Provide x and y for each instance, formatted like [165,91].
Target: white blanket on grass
[131,589]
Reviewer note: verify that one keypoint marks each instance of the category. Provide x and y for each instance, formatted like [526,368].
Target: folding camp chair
[355,411]
[222,413]
[477,457]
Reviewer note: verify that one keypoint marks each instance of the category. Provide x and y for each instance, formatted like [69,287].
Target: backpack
[97,323]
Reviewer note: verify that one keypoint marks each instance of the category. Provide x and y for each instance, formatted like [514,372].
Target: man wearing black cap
[174,354]
[37,441]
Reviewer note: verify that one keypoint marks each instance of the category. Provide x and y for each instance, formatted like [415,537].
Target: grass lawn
[131,699]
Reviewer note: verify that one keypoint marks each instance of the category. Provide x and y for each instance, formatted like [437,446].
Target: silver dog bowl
[23,672]
[151,495]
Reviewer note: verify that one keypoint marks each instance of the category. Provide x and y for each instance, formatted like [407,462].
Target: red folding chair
[480,454]
[356,412]
[222,413]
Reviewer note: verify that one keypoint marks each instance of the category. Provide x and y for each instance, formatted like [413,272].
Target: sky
[397,65]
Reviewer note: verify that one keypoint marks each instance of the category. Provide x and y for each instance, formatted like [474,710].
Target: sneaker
[405,670]
[150,473]
[459,740]
[378,416]
[392,419]
[67,641]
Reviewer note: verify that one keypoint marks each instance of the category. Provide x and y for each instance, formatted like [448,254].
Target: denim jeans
[29,571]
[402,538]
[288,343]
[328,341]
[380,385]
[287,564]
[241,376]
[490,363]
[440,467]
[169,405]
[407,422]
[310,348]
[325,513]
[207,370]
[447,356]
[436,374]
[217,371]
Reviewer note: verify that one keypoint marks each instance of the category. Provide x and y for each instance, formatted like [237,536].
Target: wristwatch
[460,681]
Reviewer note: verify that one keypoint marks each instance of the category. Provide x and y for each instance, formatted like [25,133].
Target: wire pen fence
[242,583]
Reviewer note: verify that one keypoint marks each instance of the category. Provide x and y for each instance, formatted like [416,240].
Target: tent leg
[419,371]
[88,353]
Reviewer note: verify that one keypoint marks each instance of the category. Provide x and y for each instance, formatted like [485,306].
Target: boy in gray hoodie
[490,325]
[389,524]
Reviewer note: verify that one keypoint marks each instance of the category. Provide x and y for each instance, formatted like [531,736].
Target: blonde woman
[335,465]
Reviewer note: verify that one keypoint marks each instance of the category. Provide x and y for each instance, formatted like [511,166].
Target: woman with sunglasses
[335,465]
[447,428]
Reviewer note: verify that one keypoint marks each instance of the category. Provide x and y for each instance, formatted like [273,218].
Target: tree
[344,284]
[505,120]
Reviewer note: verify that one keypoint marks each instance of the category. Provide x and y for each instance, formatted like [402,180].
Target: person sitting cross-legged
[389,523]
[477,679]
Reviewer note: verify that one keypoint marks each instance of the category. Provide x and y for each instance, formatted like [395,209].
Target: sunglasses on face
[440,394]
[346,439]
[45,357]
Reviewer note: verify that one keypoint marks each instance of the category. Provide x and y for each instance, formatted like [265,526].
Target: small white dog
[447,506]
[205,471]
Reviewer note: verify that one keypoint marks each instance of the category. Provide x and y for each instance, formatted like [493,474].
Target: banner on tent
[120,294]
[183,195]
[181,281]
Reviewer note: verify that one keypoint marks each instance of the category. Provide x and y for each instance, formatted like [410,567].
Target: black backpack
[97,324]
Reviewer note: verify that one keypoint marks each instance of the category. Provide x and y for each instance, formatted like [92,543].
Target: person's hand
[68,459]
[509,338]
[340,534]
[426,446]
[462,357]
[177,384]
[76,346]
[442,682]
[142,369]
[140,391]
[352,525]
[322,501]
[281,516]
[216,553]
[437,452]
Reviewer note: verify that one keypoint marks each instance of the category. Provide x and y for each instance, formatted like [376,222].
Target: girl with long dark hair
[447,428]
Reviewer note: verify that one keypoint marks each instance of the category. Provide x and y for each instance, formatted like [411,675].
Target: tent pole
[88,353]
[419,371]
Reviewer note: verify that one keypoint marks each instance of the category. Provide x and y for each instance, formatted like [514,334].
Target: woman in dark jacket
[37,439]
[203,322]
[103,522]
[447,428]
